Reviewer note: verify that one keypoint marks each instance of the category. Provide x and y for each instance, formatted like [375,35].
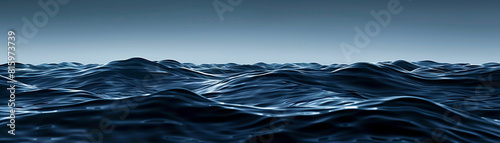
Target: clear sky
[271,31]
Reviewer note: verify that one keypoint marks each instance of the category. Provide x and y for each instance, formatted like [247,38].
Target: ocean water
[138,100]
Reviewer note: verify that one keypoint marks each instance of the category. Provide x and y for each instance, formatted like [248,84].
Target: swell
[168,101]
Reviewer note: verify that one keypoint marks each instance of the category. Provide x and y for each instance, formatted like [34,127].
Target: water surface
[138,100]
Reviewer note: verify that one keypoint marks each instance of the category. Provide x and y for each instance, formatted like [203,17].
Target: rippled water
[137,100]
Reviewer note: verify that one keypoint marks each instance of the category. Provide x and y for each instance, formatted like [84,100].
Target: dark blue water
[137,100]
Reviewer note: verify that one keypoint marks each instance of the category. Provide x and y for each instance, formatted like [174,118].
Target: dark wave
[138,100]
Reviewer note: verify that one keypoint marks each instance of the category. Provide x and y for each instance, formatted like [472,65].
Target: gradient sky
[277,31]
